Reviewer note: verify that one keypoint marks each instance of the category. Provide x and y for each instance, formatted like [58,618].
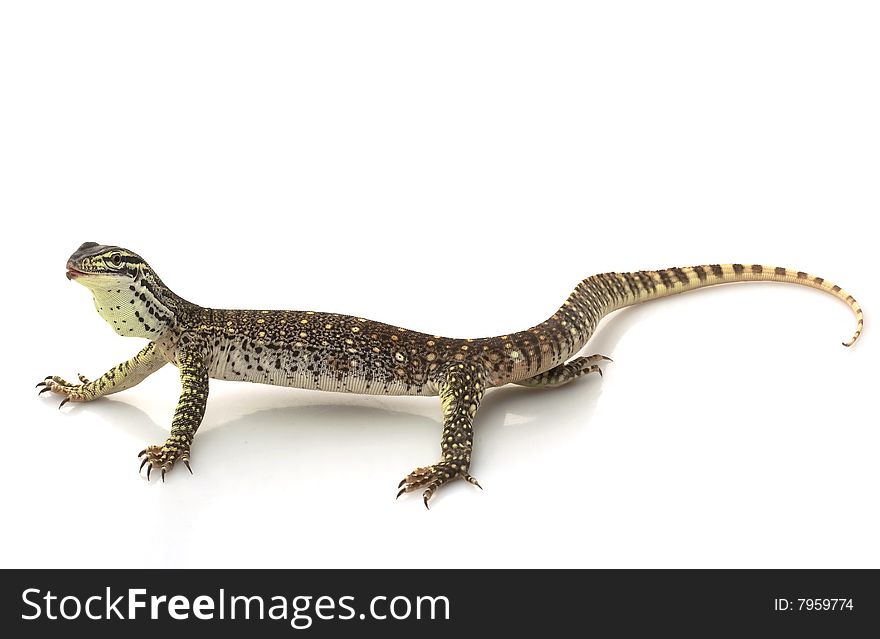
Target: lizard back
[335,352]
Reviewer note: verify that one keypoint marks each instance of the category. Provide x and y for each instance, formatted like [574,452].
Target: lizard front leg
[121,377]
[565,373]
[461,391]
[187,417]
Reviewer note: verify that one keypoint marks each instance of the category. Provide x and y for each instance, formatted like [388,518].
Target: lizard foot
[71,392]
[432,477]
[163,458]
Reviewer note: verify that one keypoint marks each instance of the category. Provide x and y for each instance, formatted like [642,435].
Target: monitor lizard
[333,352]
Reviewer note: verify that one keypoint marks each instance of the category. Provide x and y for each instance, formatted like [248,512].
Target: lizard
[334,352]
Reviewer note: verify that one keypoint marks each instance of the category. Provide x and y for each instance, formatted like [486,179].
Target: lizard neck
[141,306]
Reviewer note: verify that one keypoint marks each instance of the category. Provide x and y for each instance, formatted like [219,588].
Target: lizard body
[334,352]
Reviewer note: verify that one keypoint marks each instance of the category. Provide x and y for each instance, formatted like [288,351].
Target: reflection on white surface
[515,419]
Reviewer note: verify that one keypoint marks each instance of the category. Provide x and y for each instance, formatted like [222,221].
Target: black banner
[436,603]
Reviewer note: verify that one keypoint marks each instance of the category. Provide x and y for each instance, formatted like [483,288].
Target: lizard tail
[612,291]
[523,355]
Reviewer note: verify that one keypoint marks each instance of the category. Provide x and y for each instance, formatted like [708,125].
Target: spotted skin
[461,392]
[190,410]
[333,352]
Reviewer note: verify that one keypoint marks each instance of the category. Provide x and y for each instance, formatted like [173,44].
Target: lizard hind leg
[460,392]
[566,373]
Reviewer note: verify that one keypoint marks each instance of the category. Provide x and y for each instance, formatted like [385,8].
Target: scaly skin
[331,352]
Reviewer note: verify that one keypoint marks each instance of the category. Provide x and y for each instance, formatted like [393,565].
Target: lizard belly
[313,367]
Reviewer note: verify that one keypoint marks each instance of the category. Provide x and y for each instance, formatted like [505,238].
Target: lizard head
[127,293]
[95,264]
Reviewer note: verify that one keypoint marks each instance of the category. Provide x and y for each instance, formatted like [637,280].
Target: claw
[473,481]
[425,497]
[143,463]
[402,482]
[43,391]
[143,452]
[149,468]
[47,378]
[186,463]
[163,475]
[83,378]
[43,383]
[63,402]
[402,490]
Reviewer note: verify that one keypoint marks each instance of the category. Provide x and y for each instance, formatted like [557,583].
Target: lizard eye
[116,259]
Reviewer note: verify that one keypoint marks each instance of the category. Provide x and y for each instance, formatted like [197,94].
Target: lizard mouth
[73,272]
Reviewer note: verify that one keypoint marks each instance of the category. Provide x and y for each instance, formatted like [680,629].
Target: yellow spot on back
[355,329]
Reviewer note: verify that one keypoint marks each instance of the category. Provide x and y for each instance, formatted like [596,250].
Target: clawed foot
[71,392]
[163,458]
[432,477]
[591,364]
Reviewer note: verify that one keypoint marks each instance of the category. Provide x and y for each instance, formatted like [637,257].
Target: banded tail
[618,290]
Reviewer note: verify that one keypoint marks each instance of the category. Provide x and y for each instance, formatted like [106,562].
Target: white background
[453,168]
